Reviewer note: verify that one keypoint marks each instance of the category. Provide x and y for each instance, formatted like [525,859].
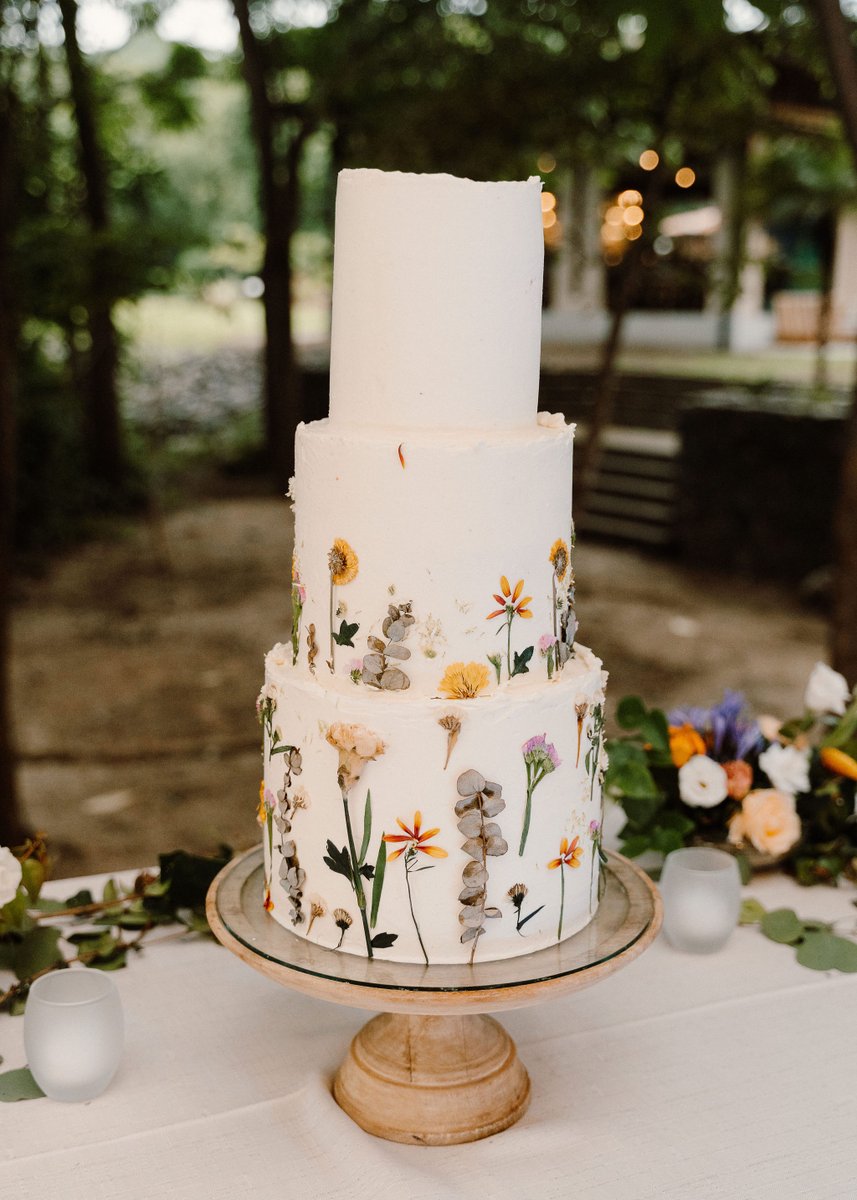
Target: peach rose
[739,775]
[685,742]
[768,820]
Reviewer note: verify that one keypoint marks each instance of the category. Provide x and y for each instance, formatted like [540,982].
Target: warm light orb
[613,216]
[612,233]
[633,232]
[630,198]
[546,163]
[649,159]
[548,202]
[685,177]
[548,219]
[633,215]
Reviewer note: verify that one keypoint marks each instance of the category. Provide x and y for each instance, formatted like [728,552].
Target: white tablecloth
[732,1076]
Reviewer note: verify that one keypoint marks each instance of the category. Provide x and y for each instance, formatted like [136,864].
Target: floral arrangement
[772,791]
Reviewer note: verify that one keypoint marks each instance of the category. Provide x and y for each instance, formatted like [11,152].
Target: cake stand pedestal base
[432,1081]
[432,1069]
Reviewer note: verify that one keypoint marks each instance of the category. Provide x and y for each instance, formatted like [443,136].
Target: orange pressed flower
[570,854]
[839,762]
[414,839]
[512,604]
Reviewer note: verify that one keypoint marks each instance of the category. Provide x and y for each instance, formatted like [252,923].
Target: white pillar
[845,275]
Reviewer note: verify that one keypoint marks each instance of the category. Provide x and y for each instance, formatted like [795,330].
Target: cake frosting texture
[433,733]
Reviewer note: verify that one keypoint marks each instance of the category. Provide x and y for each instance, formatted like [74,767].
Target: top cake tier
[436,302]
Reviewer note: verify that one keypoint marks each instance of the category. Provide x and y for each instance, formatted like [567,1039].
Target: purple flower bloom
[733,734]
[594,828]
[546,641]
[539,752]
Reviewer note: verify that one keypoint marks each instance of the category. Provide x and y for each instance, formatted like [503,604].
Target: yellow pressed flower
[343,562]
[464,681]
[559,557]
[262,811]
[839,762]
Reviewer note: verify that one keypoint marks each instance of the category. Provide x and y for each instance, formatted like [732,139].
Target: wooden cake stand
[432,1069]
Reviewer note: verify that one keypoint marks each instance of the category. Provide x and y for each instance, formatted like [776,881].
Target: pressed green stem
[413,914]
[331,625]
[553,597]
[527,810]
[561,898]
[355,875]
[509,644]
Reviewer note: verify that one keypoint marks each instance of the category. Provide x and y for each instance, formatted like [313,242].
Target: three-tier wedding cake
[433,734]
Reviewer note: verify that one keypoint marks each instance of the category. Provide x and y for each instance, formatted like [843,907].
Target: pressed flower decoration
[547,644]
[540,759]
[517,894]
[416,842]
[560,560]
[343,923]
[478,799]
[298,601]
[599,858]
[512,604]
[570,855]
[776,792]
[452,724]
[564,603]
[292,875]
[356,746]
[342,563]
[382,665]
[464,681]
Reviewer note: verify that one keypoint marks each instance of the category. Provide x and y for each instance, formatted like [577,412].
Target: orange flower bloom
[511,604]
[414,839]
[570,854]
[839,762]
[685,743]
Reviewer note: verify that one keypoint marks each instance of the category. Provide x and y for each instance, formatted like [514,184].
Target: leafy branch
[815,943]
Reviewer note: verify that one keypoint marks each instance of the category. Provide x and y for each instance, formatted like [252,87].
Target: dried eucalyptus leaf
[471,918]
[473,847]
[370,678]
[394,680]
[407,620]
[492,790]
[496,846]
[470,895]
[376,644]
[288,849]
[492,912]
[470,825]
[492,805]
[470,934]
[491,829]
[468,804]
[475,874]
[373,663]
[470,783]
[394,650]
[397,632]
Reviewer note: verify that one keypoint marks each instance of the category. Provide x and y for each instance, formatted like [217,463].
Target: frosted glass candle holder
[73,1033]
[701,891]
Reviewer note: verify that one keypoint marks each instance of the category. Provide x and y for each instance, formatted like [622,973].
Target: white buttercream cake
[433,733]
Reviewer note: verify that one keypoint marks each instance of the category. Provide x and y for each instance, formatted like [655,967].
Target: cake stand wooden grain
[432,1069]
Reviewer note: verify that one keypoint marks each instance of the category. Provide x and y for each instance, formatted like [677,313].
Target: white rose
[826,691]
[786,767]
[768,820]
[10,875]
[702,783]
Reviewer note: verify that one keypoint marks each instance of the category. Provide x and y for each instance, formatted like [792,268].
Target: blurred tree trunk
[836,33]
[279,132]
[11,817]
[101,400]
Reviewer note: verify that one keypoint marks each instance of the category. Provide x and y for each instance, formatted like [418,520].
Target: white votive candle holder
[73,1033]
[701,891]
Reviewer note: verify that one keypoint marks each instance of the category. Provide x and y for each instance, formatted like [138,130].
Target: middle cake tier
[434,562]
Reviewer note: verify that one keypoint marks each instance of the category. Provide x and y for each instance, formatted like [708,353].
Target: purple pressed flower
[539,752]
[594,828]
[546,641]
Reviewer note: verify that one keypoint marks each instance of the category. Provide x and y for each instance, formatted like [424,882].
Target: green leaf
[338,860]
[751,912]
[190,876]
[640,809]
[667,840]
[79,899]
[114,963]
[654,730]
[630,712]
[846,955]
[19,1085]
[676,820]
[744,868]
[632,778]
[782,925]
[33,876]
[111,892]
[38,951]
[818,951]
[635,846]
[382,940]
[367,829]
[345,637]
[378,881]
[519,662]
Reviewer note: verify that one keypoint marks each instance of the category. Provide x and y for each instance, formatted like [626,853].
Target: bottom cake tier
[426,830]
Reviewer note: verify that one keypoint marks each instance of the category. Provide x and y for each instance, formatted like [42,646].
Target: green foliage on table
[815,943]
[30,946]
[18,1085]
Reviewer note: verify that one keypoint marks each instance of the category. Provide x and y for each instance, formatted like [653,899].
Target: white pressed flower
[786,767]
[826,691]
[702,783]
[11,874]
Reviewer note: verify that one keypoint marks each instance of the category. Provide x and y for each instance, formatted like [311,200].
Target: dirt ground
[137,662]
